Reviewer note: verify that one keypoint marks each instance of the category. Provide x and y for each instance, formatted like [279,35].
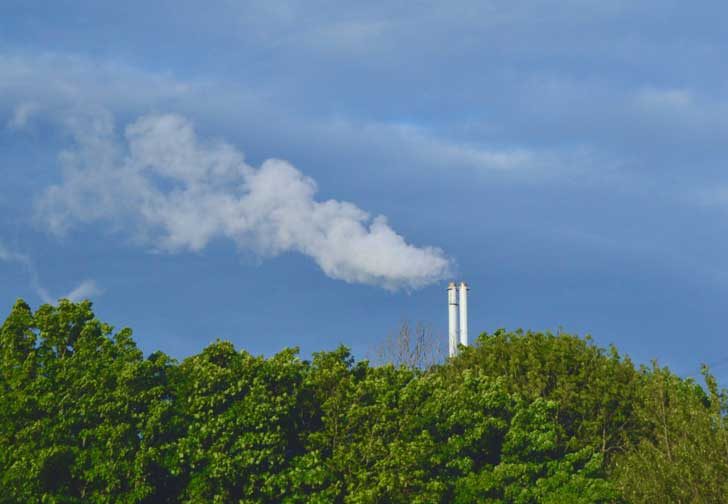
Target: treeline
[517,418]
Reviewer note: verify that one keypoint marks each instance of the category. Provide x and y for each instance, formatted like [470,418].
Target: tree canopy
[519,417]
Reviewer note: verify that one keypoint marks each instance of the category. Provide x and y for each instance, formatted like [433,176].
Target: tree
[684,458]
[242,422]
[416,347]
[594,391]
[517,418]
[81,409]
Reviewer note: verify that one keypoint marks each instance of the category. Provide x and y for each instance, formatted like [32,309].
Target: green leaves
[684,455]
[517,418]
[77,406]
[594,392]
[242,418]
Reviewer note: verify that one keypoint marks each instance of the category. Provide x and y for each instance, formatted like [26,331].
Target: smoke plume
[177,192]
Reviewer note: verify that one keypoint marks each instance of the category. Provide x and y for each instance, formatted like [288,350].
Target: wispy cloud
[22,114]
[662,99]
[11,256]
[713,196]
[24,261]
[87,84]
[55,80]
[177,192]
[85,289]
[698,118]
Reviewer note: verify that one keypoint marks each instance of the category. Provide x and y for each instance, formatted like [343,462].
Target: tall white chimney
[463,314]
[452,301]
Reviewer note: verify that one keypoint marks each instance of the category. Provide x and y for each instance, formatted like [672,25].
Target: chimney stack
[463,314]
[452,300]
[457,296]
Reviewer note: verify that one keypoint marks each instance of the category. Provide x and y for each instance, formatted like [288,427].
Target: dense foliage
[518,417]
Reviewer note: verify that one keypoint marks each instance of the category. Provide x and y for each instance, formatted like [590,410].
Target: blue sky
[204,171]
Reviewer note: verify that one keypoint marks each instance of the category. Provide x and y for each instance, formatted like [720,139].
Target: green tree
[684,459]
[399,435]
[81,410]
[242,422]
[594,391]
[517,418]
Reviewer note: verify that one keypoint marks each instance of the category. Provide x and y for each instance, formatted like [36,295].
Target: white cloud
[347,37]
[87,87]
[418,150]
[695,114]
[8,255]
[715,195]
[176,192]
[55,80]
[22,114]
[85,290]
[24,261]
[665,99]
[426,147]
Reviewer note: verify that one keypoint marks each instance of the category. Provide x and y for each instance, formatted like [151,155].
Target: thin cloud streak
[24,261]
[22,115]
[84,86]
[86,289]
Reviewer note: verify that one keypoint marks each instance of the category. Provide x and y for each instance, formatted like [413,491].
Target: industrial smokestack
[452,301]
[463,314]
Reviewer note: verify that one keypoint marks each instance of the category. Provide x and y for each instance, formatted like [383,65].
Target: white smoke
[177,193]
